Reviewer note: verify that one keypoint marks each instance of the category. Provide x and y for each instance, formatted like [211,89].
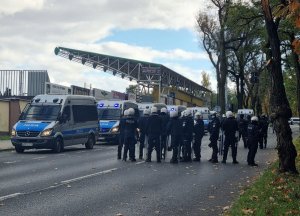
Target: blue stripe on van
[107,124]
[31,126]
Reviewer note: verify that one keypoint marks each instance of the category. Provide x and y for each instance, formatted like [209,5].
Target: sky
[158,31]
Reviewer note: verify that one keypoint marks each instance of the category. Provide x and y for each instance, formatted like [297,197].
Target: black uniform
[130,137]
[199,132]
[230,127]
[143,127]
[154,130]
[253,137]
[264,124]
[174,128]
[188,128]
[243,125]
[165,119]
[214,129]
[121,136]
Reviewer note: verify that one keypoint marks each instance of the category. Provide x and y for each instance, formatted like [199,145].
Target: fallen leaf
[272,199]
[68,186]
[254,198]
[211,197]
[119,214]
[226,208]
[157,212]
[247,211]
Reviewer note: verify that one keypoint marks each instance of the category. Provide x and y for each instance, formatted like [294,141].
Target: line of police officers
[154,129]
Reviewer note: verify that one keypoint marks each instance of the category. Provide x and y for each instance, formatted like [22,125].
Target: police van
[245,112]
[56,121]
[109,114]
[205,112]
[143,106]
[178,108]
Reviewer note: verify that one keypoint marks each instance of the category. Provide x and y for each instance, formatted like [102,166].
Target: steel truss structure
[146,74]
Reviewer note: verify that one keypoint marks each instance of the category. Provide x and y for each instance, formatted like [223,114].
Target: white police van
[205,112]
[109,114]
[143,106]
[178,108]
[56,121]
[245,112]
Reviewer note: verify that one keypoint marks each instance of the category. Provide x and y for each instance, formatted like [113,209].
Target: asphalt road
[94,182]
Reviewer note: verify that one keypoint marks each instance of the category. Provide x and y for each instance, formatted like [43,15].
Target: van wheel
[19,149]
[90,143]
[59,145]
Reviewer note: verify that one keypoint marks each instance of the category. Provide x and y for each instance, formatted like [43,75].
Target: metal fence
[23,82]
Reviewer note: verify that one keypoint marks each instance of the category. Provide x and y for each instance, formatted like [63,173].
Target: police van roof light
[116,105]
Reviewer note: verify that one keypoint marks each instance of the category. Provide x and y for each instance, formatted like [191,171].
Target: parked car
[294,120]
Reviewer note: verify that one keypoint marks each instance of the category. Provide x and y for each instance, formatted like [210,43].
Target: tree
[213,36]
[280,108]
[205,82]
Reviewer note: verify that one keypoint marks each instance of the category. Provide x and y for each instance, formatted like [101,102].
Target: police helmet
[188,112]
[254,118]
[126,112]
[173,113]
[163,110]
[131,111]
[223,115]
[146,112]
[197,114]
[153,110]
[229,114]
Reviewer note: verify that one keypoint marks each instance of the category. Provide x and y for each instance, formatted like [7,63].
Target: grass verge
[4,137]
[271,194]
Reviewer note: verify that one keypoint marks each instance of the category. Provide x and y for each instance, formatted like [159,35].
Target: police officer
[214,128]
[143,126]
[264,123]
[253,136]
[188,128]
[165,119]
[174,128]
[243,125]
[230,127]
[154,129]
[130,135]
[199,132]
[121,135]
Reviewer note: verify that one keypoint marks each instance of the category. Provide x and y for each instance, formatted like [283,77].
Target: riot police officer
[264,124]
[214,129]
[243,125]
[143,126]
[154,129]
[121,135]
[230,127]
[253,137]
[130,135]
[188,126]
[199,132]
[174,128]
[165,119]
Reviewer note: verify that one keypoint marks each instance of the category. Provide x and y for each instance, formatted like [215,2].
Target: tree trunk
[280,107]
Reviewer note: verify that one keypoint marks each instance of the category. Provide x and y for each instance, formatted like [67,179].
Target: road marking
[88,176]
[140,162]
[10,162]
[39,158]
[10,196]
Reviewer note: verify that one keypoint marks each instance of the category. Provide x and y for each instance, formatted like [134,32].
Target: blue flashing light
[116,105]
[172,109]
[100,105]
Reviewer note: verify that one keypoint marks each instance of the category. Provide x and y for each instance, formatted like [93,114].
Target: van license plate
[27,144]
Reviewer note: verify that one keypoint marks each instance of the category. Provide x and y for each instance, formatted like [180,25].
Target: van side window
[83,113]
[67,113]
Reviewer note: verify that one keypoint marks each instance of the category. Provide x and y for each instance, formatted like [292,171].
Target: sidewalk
[5,145]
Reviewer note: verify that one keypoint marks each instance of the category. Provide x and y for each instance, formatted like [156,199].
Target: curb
[8,149]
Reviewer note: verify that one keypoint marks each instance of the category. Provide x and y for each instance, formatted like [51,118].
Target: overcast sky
[159,31]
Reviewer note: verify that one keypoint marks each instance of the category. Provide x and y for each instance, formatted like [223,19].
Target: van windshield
[41,112]
[109,114]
